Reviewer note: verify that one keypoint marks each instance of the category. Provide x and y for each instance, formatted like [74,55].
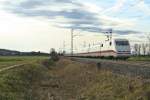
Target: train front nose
[123,53]
[123,48]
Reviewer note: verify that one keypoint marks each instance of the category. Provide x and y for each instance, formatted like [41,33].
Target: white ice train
[114,48]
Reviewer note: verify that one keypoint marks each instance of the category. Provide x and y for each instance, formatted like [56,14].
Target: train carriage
[114,48]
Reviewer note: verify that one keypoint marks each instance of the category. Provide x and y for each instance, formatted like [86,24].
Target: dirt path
[10,67]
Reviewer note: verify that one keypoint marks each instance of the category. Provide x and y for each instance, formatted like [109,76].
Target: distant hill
[6,52]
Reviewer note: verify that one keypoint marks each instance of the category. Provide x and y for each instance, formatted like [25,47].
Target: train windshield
[122,43]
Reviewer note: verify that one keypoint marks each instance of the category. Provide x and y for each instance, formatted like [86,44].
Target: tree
[136,48]
[139,49]
[144,48]
[148,38]
[53,55]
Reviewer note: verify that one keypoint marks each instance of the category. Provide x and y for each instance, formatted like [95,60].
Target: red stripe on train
[107,51]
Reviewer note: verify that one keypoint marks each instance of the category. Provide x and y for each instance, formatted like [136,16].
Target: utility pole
[111,35]
[64,47]
[72,41]
[72,36]
[89,48]
[100,49]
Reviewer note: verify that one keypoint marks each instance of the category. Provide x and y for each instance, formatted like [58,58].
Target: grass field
[19,83]
[86,82]
[67,80]
[6,61]
[139,58]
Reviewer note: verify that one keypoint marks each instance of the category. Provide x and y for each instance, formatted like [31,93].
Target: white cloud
[116,8]
[74,14]
[92,7]
[109,21]
[117,22]
[53,7]
[28,34]
[142,6]
[39,33]
[145,8]
[119,4]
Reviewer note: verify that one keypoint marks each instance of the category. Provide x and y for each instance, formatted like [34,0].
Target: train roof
[119,39]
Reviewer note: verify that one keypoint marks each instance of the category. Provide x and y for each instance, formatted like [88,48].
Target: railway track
[130,68]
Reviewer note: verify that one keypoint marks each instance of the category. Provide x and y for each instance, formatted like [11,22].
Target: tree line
[142,48]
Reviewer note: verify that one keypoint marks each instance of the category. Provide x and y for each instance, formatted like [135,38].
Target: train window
[122,43]
[110,43]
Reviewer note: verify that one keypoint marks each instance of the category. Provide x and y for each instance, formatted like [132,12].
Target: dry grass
[69,80]
[85,82]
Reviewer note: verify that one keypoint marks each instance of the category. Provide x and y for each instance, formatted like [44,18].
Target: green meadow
[6,61]
[139,58]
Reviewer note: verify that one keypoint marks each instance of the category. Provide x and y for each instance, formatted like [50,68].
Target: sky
[38,25]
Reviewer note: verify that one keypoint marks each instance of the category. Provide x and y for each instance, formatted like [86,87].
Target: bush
[48,63]
[53,55]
